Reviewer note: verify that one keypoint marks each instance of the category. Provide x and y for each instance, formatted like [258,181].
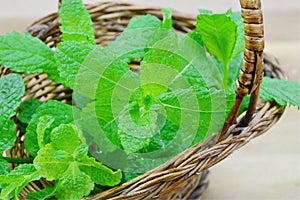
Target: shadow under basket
[184,176]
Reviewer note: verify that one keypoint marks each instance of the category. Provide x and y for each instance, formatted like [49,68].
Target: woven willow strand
[251,73]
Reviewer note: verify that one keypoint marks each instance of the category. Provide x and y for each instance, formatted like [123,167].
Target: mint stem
[225,78]
[17,160]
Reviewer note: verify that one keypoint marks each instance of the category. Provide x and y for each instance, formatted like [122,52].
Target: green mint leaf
[7,133]
[61,112]
[4,169]
[89,125]
[50,161]
[281,91]
[234,68]
[196,36]
[80,101]
[218,33]
[45,193]
[133,144]
[60,159]
[76,23]
[67,138]
[69,56]
[167,18]
[27,54]
[44,123]
[140,33]
[16,180]
[99,173]
[81,151]
[211,109]
[245,104]
[147,21]
[27,110]
[47,157]
[74,184]
[236,17]
[162,139]
[12,89]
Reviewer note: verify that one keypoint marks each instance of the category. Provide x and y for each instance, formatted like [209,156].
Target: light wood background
[269,166]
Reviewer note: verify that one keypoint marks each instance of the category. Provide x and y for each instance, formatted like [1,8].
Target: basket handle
[251,73]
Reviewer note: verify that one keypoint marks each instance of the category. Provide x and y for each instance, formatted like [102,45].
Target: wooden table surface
[269,166]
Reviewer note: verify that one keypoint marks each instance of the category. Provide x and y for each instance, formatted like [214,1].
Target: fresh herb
[65,159]
[28,109]
[27,54]
[75,21]
[283,92]
[12,89]
[16,180]
[60,113]
[181,94]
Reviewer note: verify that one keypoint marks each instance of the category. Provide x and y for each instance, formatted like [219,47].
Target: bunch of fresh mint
[182,93]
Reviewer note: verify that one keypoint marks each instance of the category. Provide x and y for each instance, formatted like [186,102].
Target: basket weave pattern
[184,176]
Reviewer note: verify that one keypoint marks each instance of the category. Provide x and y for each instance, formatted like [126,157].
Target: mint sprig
[60,112]
[75,21]
[65,158]
[219,34]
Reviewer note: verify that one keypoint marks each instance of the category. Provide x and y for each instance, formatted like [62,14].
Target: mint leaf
[141,33]
[281,91]
[12,89]
[4,169]
[236,17]
[167,18]
[99,173]
[62,113]
[67,138]
[16,180]
[28,109]
[133,144]
[196,36]
[245,104]
[69,56]
[76,23]
[218,33]
[7,133]
[234,68]
[147,21]
[74,184]
[44,193]
[27,54]
[44,123]
[65,159]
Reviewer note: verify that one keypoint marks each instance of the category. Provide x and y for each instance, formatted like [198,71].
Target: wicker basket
[184,176]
